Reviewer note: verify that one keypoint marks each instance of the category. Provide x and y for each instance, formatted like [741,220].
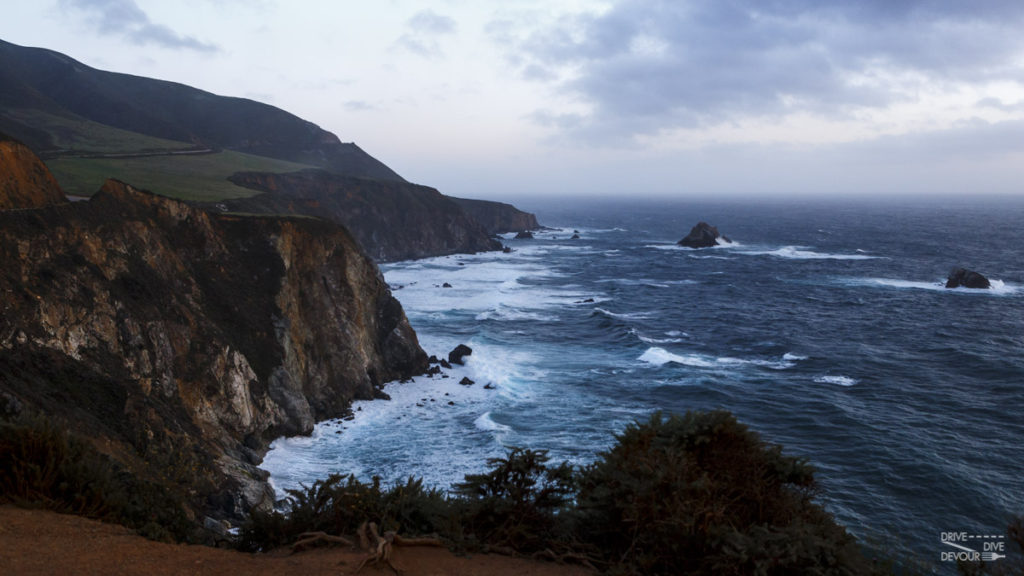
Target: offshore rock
[524,235]
[183,342]
[960,277]
[460,351]
[703,235]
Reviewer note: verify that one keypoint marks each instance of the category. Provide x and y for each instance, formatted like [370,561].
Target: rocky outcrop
[25,182]
[497,217]
[183,341]
[392,220]
[703,235]
[458,353]
[524,235]
[960,277]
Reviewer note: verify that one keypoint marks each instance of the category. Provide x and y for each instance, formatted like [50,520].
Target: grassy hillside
[73,99]
[200,177]
[71,134]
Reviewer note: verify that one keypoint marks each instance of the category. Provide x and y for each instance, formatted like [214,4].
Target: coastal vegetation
[699,494]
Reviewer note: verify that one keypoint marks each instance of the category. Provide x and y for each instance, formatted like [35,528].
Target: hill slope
[38,84]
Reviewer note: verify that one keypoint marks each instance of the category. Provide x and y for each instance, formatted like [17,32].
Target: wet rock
[466,381]
[524,235]
[963,278]
[458,353]
[703,235]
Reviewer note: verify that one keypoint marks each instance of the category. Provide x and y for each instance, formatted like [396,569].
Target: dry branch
[308,539]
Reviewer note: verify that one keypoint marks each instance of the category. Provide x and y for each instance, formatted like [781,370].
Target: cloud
[643,67]
[422,33]
[125,18]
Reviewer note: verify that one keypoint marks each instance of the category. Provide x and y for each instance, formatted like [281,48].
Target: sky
[518,98]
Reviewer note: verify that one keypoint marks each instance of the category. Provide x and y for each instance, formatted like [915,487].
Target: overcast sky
[534,97]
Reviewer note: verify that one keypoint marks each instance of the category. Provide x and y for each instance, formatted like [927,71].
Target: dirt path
[39,542]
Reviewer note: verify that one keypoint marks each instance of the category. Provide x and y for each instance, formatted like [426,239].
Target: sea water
[824,326]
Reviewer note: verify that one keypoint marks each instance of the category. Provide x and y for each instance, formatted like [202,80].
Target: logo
[965,547]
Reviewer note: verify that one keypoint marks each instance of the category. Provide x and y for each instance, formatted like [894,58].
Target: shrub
[43,465]
[703,494]
[340,504]
[516,504]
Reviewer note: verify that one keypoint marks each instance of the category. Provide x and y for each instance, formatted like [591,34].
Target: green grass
[200,177]
[81,136]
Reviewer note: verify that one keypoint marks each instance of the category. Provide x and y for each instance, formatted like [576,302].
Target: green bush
[517,503]
[340,504]
[703,494]
[43,465]
[692,494]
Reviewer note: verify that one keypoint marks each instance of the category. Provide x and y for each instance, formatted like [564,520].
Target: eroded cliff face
[497,217]
[392,220]
[25,182]
[186,341]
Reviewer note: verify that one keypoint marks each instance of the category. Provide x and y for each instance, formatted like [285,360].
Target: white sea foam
[659,356]
[650,340]
[999,287]
[625,315]
[837,380]
[802,253]
[486,423]
[674,246]
[789,356]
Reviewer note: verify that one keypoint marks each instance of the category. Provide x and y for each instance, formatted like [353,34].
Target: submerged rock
[703,235]
[961,277]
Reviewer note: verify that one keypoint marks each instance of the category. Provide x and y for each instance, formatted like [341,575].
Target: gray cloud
[649,65]
[125,18]
[422,34]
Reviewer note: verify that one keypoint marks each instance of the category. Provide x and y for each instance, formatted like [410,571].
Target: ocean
[825,326]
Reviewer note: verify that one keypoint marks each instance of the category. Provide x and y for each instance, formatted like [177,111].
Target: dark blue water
[825,327]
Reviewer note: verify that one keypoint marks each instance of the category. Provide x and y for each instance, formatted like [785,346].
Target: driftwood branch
[308,539]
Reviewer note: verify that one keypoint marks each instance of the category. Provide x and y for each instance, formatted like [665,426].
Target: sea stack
[703,235]
[960,277]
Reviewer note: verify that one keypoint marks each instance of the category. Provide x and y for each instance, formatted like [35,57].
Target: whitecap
[624,316]
[505,313]
[674,337]
[793,357]
[802,253]
[659,357]
[998,287]
[486,423]
[837,380]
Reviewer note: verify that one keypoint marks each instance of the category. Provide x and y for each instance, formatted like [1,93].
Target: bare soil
[40,542]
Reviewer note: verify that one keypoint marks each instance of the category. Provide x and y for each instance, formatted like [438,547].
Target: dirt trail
[40,542]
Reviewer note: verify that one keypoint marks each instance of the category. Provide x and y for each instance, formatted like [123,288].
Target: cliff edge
[392,220]
[25,182]
[183,342]
[497,217]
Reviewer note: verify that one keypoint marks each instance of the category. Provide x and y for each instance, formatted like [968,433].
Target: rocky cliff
[25,182]
[392,220]
[497,217]
[183,342]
